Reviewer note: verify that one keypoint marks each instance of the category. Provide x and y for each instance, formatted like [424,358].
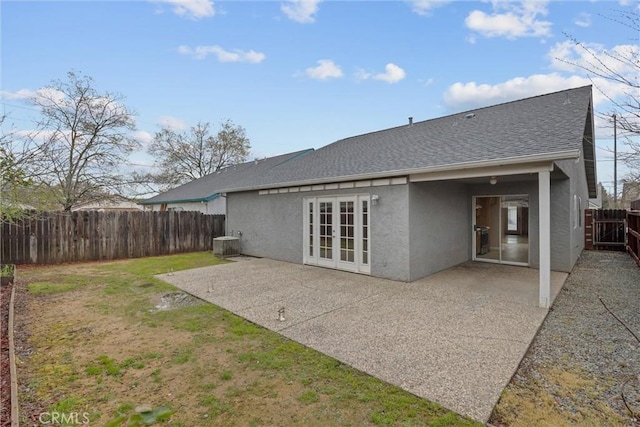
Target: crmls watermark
[54,418]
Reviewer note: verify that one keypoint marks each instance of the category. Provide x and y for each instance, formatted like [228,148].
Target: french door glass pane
[347,240]
[311,229]
[326,230]
[365,232]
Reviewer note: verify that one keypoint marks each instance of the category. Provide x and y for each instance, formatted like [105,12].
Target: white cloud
[511,20]
[25,94]
[463,96]
[192,9]
[43,96]
[171,123]
[302,11]
[594,58]
[392,74]
[583,20]
[237,55]
[425,7]
[427,82]
[326,69]
[143,137]
[362,75]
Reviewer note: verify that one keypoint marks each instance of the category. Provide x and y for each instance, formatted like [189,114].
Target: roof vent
[566,100]
[470,116]
[255,162]
[410,121]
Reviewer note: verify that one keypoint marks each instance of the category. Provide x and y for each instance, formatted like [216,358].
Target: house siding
[578,186]
[271,226]
[440,224]
[417,229]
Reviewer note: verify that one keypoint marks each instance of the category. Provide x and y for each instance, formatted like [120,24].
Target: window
[580,212]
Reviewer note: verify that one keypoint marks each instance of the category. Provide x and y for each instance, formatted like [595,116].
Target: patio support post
[544,215]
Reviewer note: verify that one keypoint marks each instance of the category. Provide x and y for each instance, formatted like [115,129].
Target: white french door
[336,232]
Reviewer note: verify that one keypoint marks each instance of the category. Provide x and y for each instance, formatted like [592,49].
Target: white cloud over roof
[171,122]
[392,74]
[583,20]
[19,94]
[236,55]
[511,20]
[302,11]
[595,58]
[326,69]
[471,95]
[193,9]
[426,7]
[143,137]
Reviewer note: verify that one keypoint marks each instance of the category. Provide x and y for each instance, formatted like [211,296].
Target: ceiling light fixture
[493,180]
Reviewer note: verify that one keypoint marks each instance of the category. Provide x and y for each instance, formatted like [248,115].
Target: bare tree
[84,138]
[620,66]
[13,178]
[182,156]
[19,194]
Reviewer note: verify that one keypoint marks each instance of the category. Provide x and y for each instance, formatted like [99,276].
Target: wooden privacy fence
[605,229]
[55,237]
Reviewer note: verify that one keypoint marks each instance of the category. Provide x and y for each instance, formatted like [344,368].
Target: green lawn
[101,349]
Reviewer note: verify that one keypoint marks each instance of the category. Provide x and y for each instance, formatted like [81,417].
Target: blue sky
[301,74]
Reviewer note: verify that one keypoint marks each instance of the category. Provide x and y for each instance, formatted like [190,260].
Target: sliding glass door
[501,229]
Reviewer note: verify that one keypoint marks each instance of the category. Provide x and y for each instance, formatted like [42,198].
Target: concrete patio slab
[455,337]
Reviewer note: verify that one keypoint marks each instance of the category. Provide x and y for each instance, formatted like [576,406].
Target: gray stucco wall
[390,233]
[272,226]
[440,224]
[578,186]
[417,229]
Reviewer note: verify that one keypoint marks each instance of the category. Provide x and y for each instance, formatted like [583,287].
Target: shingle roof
[555,123]
[208,187]
[545,124]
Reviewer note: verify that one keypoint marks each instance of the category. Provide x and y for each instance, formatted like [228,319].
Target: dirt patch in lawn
[100,339]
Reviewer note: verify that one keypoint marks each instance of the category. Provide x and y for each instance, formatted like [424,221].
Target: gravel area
[584,364]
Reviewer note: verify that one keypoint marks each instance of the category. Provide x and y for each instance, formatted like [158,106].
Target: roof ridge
[460,113]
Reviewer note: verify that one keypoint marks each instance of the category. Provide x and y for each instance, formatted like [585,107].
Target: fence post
[588,229]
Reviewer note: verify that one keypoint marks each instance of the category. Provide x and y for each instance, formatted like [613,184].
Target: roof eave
[194,200]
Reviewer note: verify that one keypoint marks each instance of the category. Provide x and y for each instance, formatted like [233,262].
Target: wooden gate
[606,229]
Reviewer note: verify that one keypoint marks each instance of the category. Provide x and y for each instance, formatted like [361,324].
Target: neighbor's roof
[553,126]
[208,187]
